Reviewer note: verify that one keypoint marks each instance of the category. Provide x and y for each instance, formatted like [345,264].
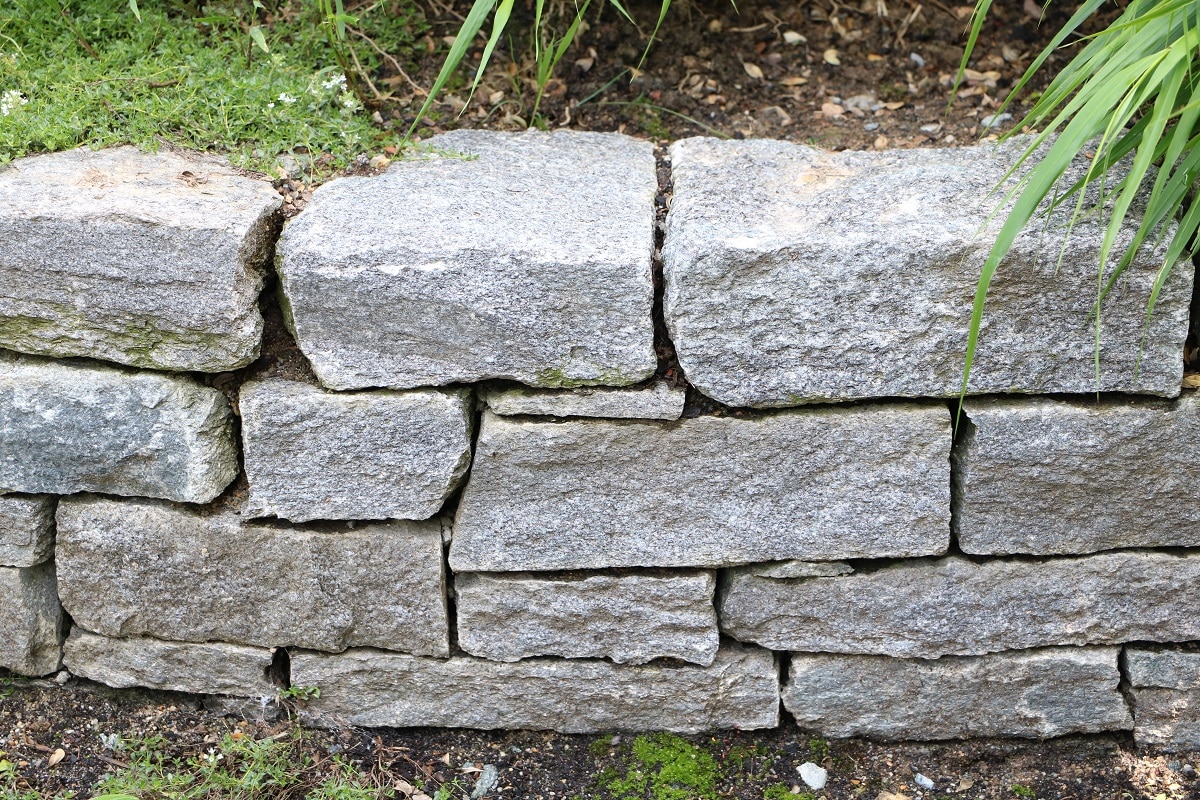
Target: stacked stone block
[487,511]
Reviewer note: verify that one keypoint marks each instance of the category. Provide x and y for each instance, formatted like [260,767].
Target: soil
[39,717]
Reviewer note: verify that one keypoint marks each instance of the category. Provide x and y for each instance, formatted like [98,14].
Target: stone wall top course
[529,261]
[795,275]
[151,260]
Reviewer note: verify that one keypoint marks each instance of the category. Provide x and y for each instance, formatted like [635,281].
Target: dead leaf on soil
[881,142]
[832,110]
[753,70]
[894,106]
[962,12]
[791,37]
[832,57]
[793,80]
[891,796]
[1191,381]
[55,757]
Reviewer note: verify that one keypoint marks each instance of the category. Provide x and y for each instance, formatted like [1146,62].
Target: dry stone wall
[535,451]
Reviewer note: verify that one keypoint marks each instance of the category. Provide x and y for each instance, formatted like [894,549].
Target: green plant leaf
[462,40]
[133,6]
[257,35]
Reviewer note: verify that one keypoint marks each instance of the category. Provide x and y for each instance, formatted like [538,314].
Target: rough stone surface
[370,688]
[141,568]
[630,618]
[530,261]
[1049,477]
[659,400]
[68,427]
[26,529]
[208,668]
[952,606]
[795,275]
[151,260]
[31,622]
[830,483]
[1165,690]
[312,454]
[1033,693]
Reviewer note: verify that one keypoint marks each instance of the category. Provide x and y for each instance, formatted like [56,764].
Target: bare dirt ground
[39,717]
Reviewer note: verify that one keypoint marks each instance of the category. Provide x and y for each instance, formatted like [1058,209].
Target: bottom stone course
[1165,690]
[1033,693]
[30,620]
[208,668]
[374,688]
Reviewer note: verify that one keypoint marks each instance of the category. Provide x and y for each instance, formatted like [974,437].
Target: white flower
[10,100]
[286,98]
[337,82]
[270,105]
[349,101]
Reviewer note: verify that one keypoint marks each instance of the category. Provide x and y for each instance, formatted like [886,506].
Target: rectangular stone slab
[659,400]
[69,427]
[953,606]
[152,260]
[630,617]
[26,529]
[31,623]
[312,454]
[143,568]
[817,484]
[1165,692]
[529,259]
[1030,693]
[1050,477]
[369,688]
[205,668]
[795,275]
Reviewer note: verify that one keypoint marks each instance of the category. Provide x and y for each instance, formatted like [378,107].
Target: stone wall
[495,439]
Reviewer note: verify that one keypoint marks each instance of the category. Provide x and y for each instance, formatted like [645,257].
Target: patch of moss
[663,767]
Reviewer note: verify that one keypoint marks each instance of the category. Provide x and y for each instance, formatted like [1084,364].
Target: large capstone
[1164,687]
[151,260]
[626,617]
[313,454]
[795,275]
[197,668]
[819,484]
[370,688]
[1034,693]
[529,259]
[1050,477]
[69,427]
[31,622]
[143,568]
[954,606]
[26,529]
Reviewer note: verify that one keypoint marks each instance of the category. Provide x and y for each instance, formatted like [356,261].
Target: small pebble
[923,782]
[1188,771]
[871,126]
[1175,765]
[993,120]
[916,59]
[813,775]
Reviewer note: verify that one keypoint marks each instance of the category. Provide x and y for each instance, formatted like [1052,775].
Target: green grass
[88,72]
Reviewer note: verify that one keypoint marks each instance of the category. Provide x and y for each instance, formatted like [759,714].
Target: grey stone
[151,260]
[312,454]
[529,260]
[795,275]
[1032,693]
[953,606]
[198,668]
[1165,692]
[26,529]
[369,688]
[815,484]
[659,400]
[802,569]
[31,624]
[630,618]
[142,568]
[67,427]
[1050,477]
